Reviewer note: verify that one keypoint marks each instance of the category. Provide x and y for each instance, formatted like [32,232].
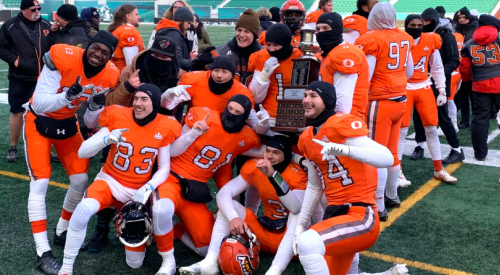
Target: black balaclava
[158,67]
[330,39]
[159,72]
[103,37]
[221,62]
[441,11]
[434,16]
[414,32]
[154,94]
[281,143]
[281,35]
[327,93]
[360,11]
[489,20]
[235,123]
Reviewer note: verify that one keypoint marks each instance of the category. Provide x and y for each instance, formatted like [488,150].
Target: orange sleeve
[197,113]
[106,117]
[63,56]
[347,62]
[247,170]
[351,126]
[188,79]
[367,44]
[262,38]
[302,147]
[253,62]
[437,41]
[129,37]
[174,132]
[295,177]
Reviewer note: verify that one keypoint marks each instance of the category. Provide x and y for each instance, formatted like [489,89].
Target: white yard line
[3,98]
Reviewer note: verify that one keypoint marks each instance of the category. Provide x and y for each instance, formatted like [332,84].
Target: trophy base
[290,117]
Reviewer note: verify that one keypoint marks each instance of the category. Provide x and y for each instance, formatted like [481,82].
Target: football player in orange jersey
[342,165]
[388,53]
[356,24]
[139,138]
[344,66]
[292,14]
[186,192]
[272,68]
[323,6]
[50,120]
[425,55]
[213,89]
[130,43]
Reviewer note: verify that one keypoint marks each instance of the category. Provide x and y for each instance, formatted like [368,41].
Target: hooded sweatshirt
[482,64]
[169,28]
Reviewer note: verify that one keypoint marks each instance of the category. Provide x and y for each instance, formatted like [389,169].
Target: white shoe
[456,127]
[205,267]
[398,269]
[444,176]
[168,265]
[274,270]
[412,136]
[402,181]
[440,132]
[193,269]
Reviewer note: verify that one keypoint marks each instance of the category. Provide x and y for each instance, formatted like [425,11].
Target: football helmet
[293,14]
[239,255]
[134,224]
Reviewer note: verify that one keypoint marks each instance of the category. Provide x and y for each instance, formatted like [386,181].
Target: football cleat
[383,216]
[454,157]
[47,263]
[417,154]
[239,255]
[98,240]
[203,267]
[193,269]
[398,269]
[60,240]
[445,177]
[392,203]
[402,181]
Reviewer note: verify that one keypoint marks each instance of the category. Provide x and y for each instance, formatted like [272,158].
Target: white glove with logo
[269,67]
[299,229]
[441,99]
[331,148]
[263,117]
[114,137]
[142,194]
[176,91]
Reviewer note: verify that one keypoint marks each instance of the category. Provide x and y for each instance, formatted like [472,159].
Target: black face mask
[160,67]
[283,53]
[429,27]
[414,32]
[328,41]
[232,123]
[219,88]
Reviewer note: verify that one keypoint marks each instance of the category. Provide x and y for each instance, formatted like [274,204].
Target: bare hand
[202,124]
[16,63]
[193,55]
[265,166]
[54,27]
[237,226]
[134,80]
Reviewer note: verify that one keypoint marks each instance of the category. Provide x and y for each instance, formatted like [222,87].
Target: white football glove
[269,67]
[331,148]
[115,136]
[299,229]
[176,91]
[263,117]
[441,99]
[142,194]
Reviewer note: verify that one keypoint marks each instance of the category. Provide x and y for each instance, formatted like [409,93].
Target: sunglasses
[35,9]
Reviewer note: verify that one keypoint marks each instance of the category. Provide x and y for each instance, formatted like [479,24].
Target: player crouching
[276,178]
[142,137]
[342,164]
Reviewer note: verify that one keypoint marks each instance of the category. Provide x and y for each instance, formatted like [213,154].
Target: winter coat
[204,42]
[169,28]
[76,33]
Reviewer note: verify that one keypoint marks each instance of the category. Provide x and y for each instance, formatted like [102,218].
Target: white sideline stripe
[493,158]
[3,98]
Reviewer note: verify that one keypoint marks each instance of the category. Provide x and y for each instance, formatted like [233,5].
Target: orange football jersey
[295,39]
[391,48]
[128,36]
[345,180]
[130,162]
[313,16]
[429,43]
[68,61]
[349,59]
[281,76]
[201,96]
[294,176]
[355,23]
[460,44]
[213,149]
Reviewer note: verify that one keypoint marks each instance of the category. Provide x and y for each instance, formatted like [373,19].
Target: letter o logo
[356,124]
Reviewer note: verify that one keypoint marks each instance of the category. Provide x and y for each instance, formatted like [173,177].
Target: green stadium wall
[202,12]
[230,13]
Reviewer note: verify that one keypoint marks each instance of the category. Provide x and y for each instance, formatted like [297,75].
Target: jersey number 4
[336,171]
[125,150]
[208,156]
[394,48]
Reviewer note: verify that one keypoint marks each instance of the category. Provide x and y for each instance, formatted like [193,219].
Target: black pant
[482,108]
[20,92]
[465,95]
[444,123]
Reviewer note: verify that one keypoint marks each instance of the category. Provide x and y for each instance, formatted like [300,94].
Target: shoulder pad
[48,61]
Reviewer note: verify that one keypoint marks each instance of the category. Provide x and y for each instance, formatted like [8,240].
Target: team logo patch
[426,49]
[130,39]
[348,63]
[158,136]
[295,170]
[245,264]
[68,50]
[190,116]
[164,44]
[241,143]
[45,32]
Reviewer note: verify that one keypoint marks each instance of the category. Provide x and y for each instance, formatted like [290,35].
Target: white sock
[391,188]
[168,264]
[452,111]
[62,225]
[220,230]
[401,143]
[42,243]
[457,149]
[285,250]
[37,212]
[354,266]
[433,142]
[379,194]
[134,259]
[421,144]
[202,251]
[212,256]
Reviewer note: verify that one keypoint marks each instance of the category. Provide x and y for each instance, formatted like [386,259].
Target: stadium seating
[255,4]
[12,3]
[212,3]
[451,6]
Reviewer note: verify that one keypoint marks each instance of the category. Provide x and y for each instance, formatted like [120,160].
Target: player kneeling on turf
[342,164]
[139,137]
[280,184]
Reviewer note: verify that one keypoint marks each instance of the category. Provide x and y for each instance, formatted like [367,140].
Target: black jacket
[182,44]
[265,22]
[466,29]
[76,33]
[16,42]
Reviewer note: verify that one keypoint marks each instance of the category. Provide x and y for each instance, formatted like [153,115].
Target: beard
[182,28]
[35,16]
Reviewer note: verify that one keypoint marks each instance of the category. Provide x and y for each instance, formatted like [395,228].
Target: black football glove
[97,101]
[204,57]
[75,90]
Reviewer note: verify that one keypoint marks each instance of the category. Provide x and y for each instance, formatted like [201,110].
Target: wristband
[104,141]
[151,186]
[279,184]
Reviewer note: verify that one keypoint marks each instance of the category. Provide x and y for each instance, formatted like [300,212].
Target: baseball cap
[164,45]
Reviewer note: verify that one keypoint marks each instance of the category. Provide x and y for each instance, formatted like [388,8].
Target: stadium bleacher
[343,6]
[11,3]
[451,6]
[255,4]
[212,3]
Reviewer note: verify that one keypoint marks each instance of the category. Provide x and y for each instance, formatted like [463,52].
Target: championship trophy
[290,116]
